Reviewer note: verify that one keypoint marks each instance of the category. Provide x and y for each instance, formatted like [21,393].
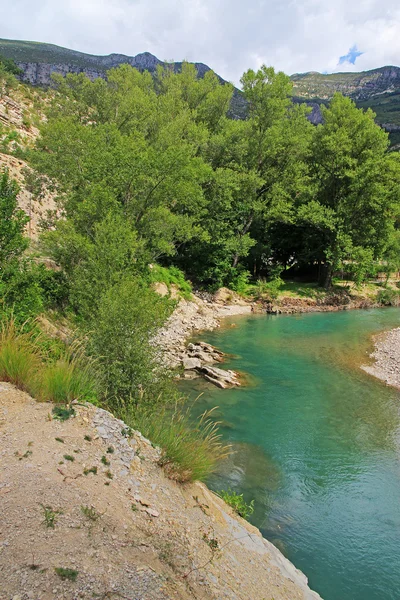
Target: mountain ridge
[378,88]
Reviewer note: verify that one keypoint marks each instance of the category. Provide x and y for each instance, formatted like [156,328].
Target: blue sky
[351,56]
[228,35]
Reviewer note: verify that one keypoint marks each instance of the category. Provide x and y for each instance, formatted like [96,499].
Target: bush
[171,276]
[190,451]
[128,317]
[19,358]
[388,297]
[238,503]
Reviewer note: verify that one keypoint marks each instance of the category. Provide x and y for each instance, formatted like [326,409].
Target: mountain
[38,61]
[378,89]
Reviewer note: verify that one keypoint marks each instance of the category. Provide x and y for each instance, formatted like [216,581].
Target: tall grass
[19,356]
[190,451]
[22,362]
[70,378]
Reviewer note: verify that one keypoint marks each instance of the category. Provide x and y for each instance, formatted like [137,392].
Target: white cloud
[228,35]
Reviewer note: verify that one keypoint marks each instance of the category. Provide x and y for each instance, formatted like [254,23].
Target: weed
[50,516]
[62,414]
[90,512]
[109,474]
[87,438]
[126,432]
[69,457]
[91,470]
[21,456]
[212,542]
[134,507]
[237,502]
[59,440]
[105,461]
[70,574]
[110,450]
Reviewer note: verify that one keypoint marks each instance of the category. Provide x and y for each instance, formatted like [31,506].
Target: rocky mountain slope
[87,512]
[378,89]
[18,133]
[39,61]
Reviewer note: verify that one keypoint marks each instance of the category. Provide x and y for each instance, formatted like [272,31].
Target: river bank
[88,512]
[205,312]
[386,357]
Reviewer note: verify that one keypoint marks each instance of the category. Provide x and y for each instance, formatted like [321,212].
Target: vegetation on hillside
[153,177]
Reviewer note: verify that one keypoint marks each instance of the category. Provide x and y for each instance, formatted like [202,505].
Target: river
[317,445]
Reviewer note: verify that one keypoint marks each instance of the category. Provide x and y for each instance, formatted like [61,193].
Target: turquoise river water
[317,445]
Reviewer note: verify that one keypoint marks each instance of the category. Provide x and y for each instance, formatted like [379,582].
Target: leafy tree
[355,185]
[12,224]
[128,316]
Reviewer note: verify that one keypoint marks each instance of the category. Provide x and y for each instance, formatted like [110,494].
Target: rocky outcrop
[190,317]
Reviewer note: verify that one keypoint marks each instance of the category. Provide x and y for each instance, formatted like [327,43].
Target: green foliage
[12,224]
[238,503]
[128,316]
[190,451]
[171,276]
[50,516]
[61,413]
[90,513]
[71,377]
[388,297]
[9,66]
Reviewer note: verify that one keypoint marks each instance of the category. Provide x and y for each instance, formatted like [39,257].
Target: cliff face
[359,86]
[378,89]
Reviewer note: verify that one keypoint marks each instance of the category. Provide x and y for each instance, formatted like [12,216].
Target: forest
[154,180]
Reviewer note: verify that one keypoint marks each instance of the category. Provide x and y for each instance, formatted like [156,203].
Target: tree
[355,186]
[12,224]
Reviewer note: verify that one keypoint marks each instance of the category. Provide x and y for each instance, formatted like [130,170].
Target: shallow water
[317,445]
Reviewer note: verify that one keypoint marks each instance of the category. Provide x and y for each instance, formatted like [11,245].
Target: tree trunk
[325,273]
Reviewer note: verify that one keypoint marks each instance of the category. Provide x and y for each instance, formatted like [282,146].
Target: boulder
[215,374]
[190,364]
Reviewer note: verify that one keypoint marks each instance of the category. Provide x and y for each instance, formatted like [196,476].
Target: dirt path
[126,531]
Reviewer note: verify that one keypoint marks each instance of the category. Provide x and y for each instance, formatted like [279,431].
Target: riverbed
[317,445]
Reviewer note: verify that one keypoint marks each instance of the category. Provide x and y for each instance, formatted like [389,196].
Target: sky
[230,36]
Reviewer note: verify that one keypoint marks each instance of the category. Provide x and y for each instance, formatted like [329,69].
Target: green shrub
[128,317]
[171,276]
[19,358]
[237,502]
[240,281]
[190,451]
[388,297]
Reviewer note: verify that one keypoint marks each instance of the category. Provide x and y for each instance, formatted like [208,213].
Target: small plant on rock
[70,574]
[237,502]
[50,516]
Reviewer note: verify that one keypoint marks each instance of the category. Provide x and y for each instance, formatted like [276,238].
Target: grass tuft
[19,359]
[70,378]
[190,451]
